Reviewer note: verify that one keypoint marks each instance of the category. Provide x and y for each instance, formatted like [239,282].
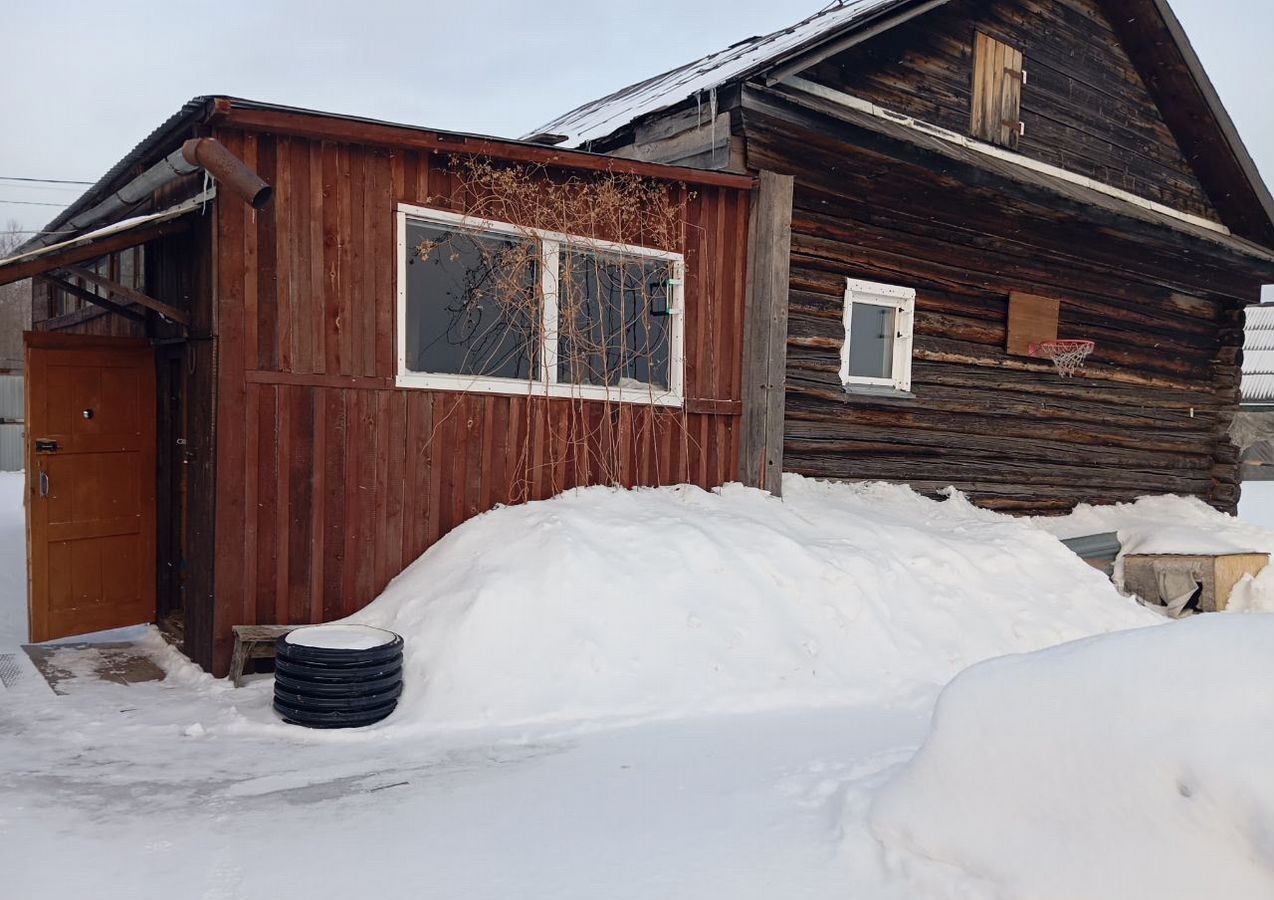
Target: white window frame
[547,384]
[903,301]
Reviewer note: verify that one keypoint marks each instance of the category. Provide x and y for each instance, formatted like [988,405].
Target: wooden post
[765,333]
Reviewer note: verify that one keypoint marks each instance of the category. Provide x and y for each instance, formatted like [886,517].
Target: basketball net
[1067,356]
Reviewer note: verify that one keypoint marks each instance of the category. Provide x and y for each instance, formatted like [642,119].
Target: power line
[35,203]
[42,180]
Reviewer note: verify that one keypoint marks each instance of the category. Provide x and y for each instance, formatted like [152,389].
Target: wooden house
[946,186]
[243,415]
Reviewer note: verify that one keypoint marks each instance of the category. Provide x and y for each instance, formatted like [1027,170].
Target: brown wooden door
[90,483]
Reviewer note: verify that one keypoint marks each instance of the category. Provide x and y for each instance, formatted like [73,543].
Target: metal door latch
[44,445]
[44,484]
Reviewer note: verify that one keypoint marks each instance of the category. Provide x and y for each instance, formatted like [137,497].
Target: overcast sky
[85,81]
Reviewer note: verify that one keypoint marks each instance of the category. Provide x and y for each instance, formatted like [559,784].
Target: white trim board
[902,300]
[841,98]
[546,384]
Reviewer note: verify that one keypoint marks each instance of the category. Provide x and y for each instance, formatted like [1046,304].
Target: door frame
[55,341]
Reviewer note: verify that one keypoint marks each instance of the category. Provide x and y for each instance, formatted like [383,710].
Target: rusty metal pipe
[205,153]
[213,157]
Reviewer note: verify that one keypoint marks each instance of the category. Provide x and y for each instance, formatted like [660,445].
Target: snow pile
[1165,524]
[604,603]
[1170,524]
[1253,594]
[1256,506]
[13,561]
[1126,766]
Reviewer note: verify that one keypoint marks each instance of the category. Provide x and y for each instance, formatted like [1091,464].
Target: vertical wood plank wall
[330,480]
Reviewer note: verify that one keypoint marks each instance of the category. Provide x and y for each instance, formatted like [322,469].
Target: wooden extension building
[243,415]
[945,185]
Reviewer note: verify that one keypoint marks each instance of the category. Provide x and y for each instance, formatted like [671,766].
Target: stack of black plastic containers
[321,682]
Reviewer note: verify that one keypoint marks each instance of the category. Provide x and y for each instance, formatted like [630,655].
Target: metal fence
[12,424]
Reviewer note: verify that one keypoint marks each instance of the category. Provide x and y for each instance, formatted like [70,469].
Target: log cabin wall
[1151,412]
[1084,106]
[1149,415]
[330,479]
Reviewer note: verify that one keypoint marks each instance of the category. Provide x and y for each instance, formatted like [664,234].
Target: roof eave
[192,113]
[1218,110]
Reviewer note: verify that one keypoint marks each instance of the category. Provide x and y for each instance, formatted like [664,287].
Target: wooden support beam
[135,296]
[30,265]
[89,296]
[765,333]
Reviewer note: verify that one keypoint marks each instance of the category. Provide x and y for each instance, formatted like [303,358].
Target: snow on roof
[601,117]
[130,224]
[1258,356]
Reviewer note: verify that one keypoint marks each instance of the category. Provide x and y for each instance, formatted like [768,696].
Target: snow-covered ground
[676,693]
[13,560]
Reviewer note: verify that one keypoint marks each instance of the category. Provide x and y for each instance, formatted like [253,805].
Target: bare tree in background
[15,303]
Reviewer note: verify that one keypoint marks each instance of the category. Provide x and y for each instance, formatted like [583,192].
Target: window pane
[472,303]
[614,330]
[871,341]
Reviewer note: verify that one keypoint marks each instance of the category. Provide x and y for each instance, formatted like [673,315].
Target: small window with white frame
[878,325]
[489,306]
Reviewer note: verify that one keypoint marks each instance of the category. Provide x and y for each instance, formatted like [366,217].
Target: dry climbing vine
[613,327]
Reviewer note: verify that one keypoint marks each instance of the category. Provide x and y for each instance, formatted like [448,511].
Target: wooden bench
[254,642]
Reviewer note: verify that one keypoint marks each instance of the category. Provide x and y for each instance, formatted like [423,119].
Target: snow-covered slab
[340,637]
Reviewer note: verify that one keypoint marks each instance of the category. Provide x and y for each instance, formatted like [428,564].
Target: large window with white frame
[878,326]
[490,306]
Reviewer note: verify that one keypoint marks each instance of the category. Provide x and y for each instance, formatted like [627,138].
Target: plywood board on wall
[1032,320]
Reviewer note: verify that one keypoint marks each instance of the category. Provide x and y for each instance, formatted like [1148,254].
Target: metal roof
[177,123]
[837,26]
[602,117]
[200,109]
[1258,356]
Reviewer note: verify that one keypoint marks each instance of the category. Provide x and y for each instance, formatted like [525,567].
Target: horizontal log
[855,439]
[1023,475]
[805,405]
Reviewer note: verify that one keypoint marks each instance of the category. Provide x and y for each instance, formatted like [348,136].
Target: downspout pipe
[212,156]
[207,154]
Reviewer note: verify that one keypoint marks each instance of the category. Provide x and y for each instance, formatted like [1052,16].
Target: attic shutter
[997,91]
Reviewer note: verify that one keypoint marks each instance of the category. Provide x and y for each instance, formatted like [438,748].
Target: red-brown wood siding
[330,479]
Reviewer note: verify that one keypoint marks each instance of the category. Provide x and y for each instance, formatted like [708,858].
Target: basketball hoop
[1067,356]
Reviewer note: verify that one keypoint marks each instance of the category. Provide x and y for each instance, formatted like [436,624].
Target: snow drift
[1125,766]
[1170,524]
[605,603]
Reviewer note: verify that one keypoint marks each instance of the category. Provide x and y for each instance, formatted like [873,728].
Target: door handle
[44,484]
[46,445]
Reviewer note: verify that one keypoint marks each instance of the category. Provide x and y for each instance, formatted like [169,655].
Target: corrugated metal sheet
[11,447]
[602,117]
[12,397]
[1258,356]
[12,412]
